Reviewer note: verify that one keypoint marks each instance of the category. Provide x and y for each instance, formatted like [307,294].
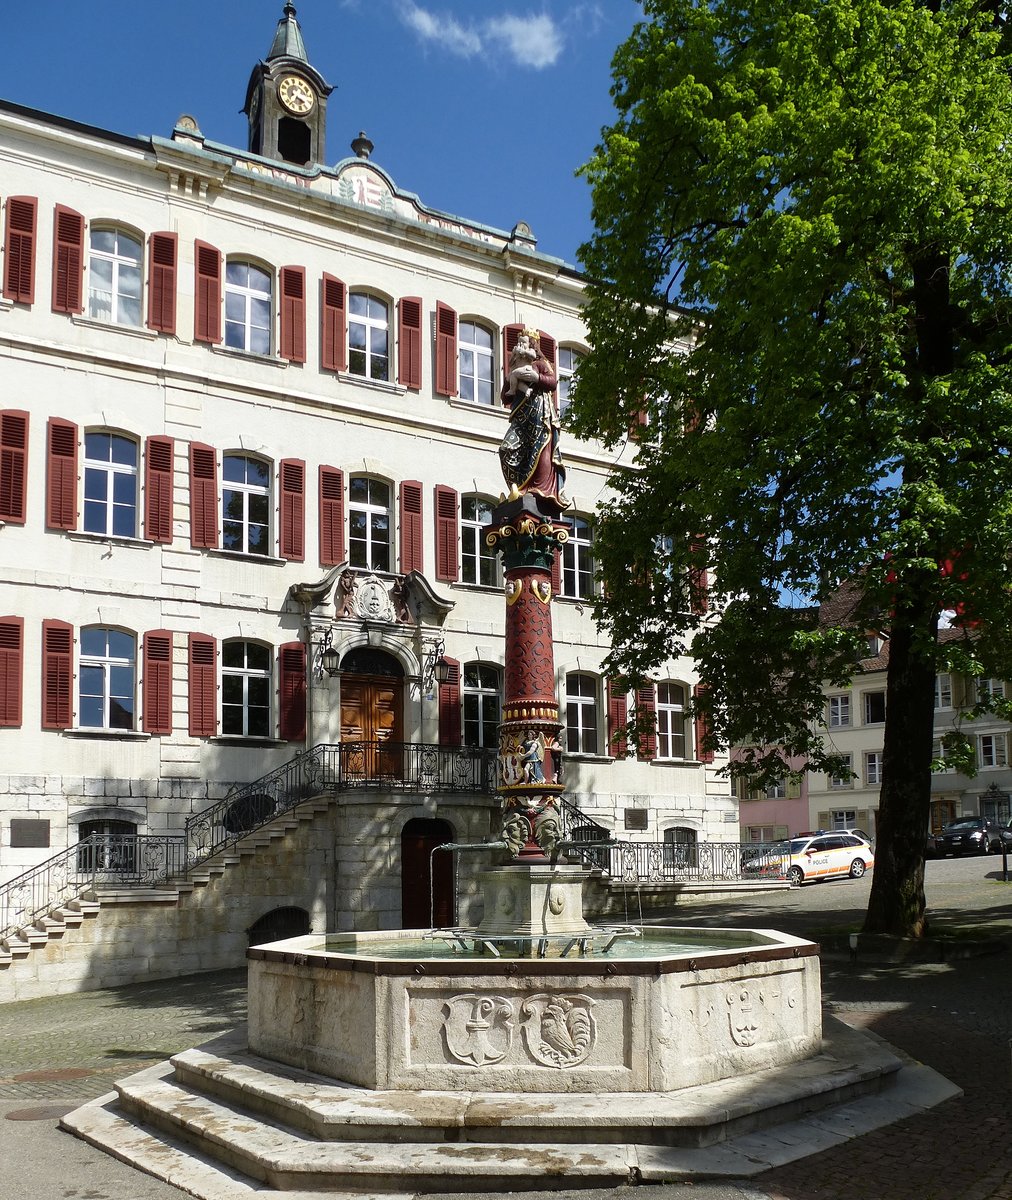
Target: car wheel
[856,868]
[795,875]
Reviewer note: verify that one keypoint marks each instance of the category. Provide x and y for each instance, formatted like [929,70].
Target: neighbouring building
[248,440]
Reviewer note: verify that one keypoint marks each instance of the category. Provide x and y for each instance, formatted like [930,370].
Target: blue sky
[485,108]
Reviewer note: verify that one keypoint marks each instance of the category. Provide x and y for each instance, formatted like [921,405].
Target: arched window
[114,277]
[245,504]
[475,360]
[369,523]
[680,851]
[115,848]
[482,689]
[245,689]
[248,308]
[479,563]
[581,714]
[671,704]
[110,484]
[569,360]
[578,561]
[368,336]
[107,683]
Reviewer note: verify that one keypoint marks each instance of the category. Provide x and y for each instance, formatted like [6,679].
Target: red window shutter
[331,516]
[699,582]
[412,551]
[557,571]
[13,466]
[19,249]
[157,691]
[409,340]
[292,473]
[163,249]
[618,716]
[207,293]
[202,666]
[12,658]
[449,705]
[646,710]
[61,474]
[293,314]
[333,325]
[446,533]
[510,337]
[446,350]
[547,344]
[292,691]
[68,261]
[203,497]
[704,754]
[158,489]
[57,674]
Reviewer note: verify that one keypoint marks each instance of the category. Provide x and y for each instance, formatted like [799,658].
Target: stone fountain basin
[386,1010]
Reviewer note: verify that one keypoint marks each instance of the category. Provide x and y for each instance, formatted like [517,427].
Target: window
[569,360]
[245,689]
[943,691]
[247,308]
[992,750]
[114,274]
[368,337]
[369,523]
[245,504]
[481,705]
[873,768]
[670,720]
[939,753]
[108,670]
[114,848]
[680,849]
[874,708]
[581,714]
[839,711]
[986,688]
[475,363]
[110,485]
[578,561]
[845,779]
[479,563]
[766,833]
[843,818]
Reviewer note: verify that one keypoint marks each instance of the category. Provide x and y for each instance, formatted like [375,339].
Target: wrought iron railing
[588,839]
[329,769]
[703,862]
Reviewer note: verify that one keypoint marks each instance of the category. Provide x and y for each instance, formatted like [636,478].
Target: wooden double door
[372,717]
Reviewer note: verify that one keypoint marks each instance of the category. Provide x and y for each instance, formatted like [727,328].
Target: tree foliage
[801,266]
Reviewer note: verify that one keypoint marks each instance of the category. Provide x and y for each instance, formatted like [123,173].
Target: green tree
[802,264]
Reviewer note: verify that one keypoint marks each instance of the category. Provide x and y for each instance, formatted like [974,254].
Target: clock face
[296,95]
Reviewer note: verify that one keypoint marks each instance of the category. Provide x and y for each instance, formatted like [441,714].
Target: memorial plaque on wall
[27,834]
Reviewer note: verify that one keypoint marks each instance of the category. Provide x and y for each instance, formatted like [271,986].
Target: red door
[427,899]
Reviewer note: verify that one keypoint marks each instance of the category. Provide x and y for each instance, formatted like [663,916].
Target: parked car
[971,835]
[820,856]
[825,832]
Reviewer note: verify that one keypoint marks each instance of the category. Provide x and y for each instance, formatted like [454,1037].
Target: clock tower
[286,100]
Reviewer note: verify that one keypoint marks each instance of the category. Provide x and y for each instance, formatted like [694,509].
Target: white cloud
[533,41]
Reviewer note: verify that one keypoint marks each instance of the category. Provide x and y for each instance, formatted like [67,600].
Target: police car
[827,856]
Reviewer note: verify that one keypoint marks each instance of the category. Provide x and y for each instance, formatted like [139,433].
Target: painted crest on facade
[478,1029]
[559,1030]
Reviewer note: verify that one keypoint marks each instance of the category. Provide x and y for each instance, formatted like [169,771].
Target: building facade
[248,440]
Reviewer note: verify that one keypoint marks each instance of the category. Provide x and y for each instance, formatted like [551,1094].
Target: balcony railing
[694,862]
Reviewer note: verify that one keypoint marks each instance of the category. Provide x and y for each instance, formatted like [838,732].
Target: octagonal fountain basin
[666,1009]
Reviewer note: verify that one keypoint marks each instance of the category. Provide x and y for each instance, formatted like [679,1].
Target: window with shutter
[333,325]
[412,550]
[61,474]
[68,261]
[331,516]
[293,509]
[704,754]
[449,705]
[158,489]
[13,466]
[292,691]
[12,652]
[57,674]
[203,497]
[207,294]
[201,659]
[409,355]
[446,502]
[446,350]
[293,314]
[163,250]
[699,582]
[157,689]
[618,717]
[510,337]
[19,249]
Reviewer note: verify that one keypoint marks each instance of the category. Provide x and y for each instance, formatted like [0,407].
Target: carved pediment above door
[356,594]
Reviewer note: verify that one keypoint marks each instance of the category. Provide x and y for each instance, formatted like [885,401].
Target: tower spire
[288,41]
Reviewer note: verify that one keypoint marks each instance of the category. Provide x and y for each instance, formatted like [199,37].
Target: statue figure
[529,453]
[532,755]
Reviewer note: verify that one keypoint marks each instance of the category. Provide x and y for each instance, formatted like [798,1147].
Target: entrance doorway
[427,898]
[372,714]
